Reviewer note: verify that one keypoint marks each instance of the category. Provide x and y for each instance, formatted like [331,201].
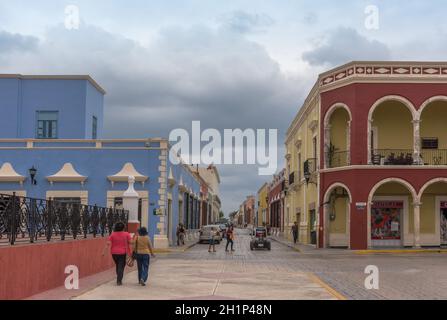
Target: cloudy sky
[230,64]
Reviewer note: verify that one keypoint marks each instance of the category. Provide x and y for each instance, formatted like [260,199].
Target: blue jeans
[143,266]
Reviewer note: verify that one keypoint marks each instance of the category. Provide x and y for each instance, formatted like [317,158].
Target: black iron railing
[434,157]
[292,178]
[310,166]
[30,219]
[337,159]
[396,157]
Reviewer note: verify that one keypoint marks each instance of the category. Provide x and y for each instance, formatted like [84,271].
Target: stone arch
[327,130]
[407,103]
[427,102]
[402,182]
[326,233]
[428,184]
[334,107]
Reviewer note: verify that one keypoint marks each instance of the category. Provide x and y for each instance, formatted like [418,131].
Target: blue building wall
[97,164]
[9,106]
[76,101]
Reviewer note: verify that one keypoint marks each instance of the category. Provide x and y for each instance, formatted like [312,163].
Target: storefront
[443,228]
[386,223]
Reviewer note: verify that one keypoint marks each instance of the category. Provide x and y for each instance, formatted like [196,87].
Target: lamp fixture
[32,173]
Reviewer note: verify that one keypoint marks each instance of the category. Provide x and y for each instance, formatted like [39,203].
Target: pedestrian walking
[180,235]
[213,234]
[119,243]
[230,238]
[142,249]
[295,232]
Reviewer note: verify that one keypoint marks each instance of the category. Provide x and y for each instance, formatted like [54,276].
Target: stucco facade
[381,161]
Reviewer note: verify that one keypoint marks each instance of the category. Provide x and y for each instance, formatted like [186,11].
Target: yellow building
[302,143]
[263,206]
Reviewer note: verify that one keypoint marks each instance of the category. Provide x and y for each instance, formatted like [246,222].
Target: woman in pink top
[120,242]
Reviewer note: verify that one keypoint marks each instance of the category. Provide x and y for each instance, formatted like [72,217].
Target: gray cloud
[215,76]
[343,45]
[243,22]
[15,42]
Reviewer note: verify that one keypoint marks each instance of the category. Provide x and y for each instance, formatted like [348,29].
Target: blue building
[54,125]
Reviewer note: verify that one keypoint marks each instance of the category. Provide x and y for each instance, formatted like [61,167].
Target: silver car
[205,234]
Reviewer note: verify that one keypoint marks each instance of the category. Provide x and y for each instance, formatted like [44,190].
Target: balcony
[434,157]
[337,159]
[291,178]
[310,166]
[294,180]
[393,157]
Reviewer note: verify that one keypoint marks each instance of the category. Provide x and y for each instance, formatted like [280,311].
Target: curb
[399,251]
[175,250]
[286,244]
[328,288]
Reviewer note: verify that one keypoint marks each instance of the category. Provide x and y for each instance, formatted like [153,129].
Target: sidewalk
[311,249]
[91,282]
[307,248]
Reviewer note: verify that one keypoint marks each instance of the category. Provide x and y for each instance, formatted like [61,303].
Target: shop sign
[360,205]
[388,204]
[158,212]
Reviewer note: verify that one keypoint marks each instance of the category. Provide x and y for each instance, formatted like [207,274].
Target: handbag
[134,253]
[129,261]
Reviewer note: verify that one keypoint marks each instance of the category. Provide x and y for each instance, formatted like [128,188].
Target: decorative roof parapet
[8,174]
[380,69]
[67,174]
[126,171]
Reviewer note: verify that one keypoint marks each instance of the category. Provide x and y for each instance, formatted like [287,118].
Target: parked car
[260,240]
[205,234]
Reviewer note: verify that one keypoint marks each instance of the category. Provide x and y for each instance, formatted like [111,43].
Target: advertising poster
[386,220]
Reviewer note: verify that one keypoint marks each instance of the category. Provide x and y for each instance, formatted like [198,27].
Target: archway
[391,132]
[337,132]
[391,214]
[337,211]
[433,213]
[433,117]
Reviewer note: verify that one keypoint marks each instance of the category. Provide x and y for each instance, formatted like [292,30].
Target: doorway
[443,221]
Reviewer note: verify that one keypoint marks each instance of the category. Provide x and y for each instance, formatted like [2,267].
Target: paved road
[198,274]
[282,273]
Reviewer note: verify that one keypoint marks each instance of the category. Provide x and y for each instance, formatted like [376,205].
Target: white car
[205,232]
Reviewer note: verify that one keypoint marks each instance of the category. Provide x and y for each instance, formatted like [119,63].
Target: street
[282,273]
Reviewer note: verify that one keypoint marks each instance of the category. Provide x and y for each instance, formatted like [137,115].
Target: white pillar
[368,142]
[348,144]
[130,203]
[327,143]
[417,224]
[417,141]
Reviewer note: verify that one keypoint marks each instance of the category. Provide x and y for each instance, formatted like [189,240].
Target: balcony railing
[291,178]
[434,157]
[393,157]
[310,166]
[30,220]
[337,159]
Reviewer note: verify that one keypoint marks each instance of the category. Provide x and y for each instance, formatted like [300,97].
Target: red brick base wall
[26,270]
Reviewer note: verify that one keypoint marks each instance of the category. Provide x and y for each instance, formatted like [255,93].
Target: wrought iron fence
[434,157]
[30,219]
[292,178]
[337,159]
[393,157]
[310,166]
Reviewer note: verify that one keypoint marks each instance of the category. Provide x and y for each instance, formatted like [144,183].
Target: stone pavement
[282,273]
[198,274]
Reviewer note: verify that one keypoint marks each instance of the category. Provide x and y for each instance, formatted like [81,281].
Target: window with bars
[46,124]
